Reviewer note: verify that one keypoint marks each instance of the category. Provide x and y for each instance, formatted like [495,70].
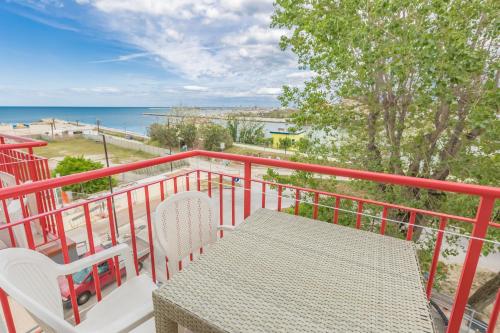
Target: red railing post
[470,264]
[221,203]
[358,214]
[64,247]
[233,202]
[132,231]
[263,205]
[435,256]
[150,232]
[315,208]
[383,223]
[7,314]
[95,273]
[494,314]
[409,234]
[209,181]
[248,189]
[336,210]
[280,194]
[297,198]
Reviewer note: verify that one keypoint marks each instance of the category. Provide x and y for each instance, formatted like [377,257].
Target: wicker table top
[282,273]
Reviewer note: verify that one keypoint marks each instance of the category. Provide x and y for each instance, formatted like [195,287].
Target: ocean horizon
[123,118]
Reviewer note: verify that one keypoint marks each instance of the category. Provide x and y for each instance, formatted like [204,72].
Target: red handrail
[448,186]
[21,142]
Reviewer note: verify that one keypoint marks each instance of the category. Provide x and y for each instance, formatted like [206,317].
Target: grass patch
[80,146]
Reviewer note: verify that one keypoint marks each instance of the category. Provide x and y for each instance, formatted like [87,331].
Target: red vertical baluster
[209,184]
[175,185]
[150,233]
[435,257]
[187,182]
[221,204]
[315,208]
[280,192]
[64,247]
[162,191]
[27,225]
[384,221]
[247,195]
[7,314]
[358,214]
[483,216]
[95,273]
[233,203]
[7,221]
[112,232]
[494,314]
[132,231]
[263,195]
[297,198]
[336,211]
[409,234]
[198,181]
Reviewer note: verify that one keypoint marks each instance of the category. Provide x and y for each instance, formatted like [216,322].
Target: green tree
[187,133]
[70,165]
[165,135]
[252,133]
[232,126]
[404,87]
[213,135]
[285,143]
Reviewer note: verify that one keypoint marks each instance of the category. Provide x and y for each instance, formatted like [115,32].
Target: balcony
[235,184]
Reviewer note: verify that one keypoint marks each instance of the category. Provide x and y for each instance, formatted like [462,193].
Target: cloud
[48,22]
[268,91]
[219,47]
[126,57]
[98,90]
[195,88]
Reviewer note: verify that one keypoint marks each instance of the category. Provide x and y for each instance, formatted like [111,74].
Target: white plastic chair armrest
[47,317]
[78,265]
[226,227]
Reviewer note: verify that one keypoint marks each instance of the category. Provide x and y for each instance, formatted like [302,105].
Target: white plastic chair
[185,223]
[30,278]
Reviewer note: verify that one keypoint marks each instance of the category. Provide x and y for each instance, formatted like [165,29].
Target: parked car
[84,279]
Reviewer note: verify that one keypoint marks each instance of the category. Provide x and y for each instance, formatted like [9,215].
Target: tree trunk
[485,295]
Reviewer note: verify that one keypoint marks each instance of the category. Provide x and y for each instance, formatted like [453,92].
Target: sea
[130,119]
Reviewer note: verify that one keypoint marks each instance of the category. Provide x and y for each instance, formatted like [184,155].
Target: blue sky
[142,53]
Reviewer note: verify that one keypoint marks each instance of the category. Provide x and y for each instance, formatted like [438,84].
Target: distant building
[278,136]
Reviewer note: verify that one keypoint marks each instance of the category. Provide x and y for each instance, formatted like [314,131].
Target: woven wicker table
[282,273]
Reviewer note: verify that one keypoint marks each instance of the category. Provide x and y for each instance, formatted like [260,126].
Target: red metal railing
[19,142]
[221,181]
[18,162]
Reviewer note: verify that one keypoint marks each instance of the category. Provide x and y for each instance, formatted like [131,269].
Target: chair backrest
[184,223]
[30,278]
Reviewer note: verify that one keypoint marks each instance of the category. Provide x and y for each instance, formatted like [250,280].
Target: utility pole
[52,125]
[110,183]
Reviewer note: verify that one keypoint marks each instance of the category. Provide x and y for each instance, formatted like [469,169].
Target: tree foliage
[70,165]
[403,87]
[252,133]
[166,136]
[187,133]
[213,135]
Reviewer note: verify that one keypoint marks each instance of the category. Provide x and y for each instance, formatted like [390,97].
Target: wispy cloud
[126,57]
[195,88]
[48,22]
